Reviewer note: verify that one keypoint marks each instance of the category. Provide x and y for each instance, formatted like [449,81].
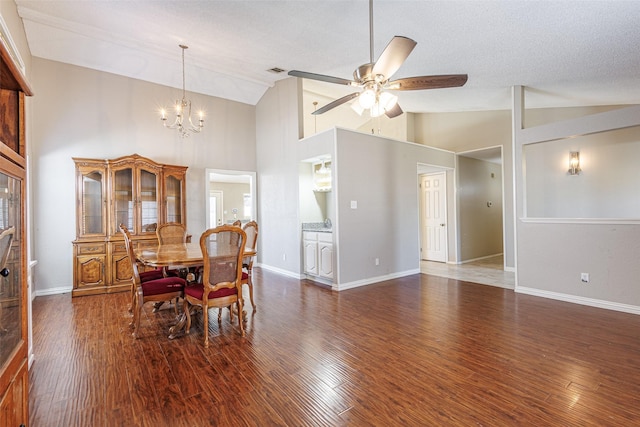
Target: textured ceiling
[566,52]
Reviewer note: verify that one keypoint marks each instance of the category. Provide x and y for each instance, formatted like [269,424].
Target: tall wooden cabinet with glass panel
[131,190]
[14,384]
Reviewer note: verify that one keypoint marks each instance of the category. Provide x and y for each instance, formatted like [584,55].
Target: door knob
[441,225]
[4,272]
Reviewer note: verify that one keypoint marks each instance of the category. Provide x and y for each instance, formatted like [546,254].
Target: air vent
[275,70]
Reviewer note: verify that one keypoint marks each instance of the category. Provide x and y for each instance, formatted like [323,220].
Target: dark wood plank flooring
[416,351]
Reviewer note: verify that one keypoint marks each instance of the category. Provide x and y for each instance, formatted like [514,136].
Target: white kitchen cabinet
[318,254]
[325,259]
[310,245]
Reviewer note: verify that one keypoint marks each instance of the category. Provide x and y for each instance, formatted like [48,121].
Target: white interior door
[215,208]
[433,217]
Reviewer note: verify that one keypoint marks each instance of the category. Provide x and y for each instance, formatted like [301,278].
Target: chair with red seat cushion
[160,289]
[144,275]
[222,251]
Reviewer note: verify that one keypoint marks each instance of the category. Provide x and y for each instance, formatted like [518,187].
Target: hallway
[488,271]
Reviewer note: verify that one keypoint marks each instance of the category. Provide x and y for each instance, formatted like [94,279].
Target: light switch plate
[354,204]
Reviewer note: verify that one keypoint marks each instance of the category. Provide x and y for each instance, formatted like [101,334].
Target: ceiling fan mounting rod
[371,31]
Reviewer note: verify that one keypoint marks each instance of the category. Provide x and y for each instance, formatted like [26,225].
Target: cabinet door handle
[4,272]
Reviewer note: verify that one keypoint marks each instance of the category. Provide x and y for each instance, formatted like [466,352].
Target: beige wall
[479,185]
[469,131]
[279,128]
[553,253]
[233,198]
[78,112]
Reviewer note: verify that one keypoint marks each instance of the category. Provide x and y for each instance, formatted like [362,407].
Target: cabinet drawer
[325,237]
[118,247]
[91,248]
[310,235]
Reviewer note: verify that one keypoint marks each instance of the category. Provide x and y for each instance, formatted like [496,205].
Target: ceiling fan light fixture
[377,110]
[388,100]
[367,98]
[355,106]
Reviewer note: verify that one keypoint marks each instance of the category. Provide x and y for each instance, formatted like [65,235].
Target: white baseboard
[369,281]
[53,291]
[579,300]
[280,271]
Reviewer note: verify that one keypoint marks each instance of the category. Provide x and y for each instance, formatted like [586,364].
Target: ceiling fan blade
[336,103]
[394,112]
[393,56]
[428,82]
[320,77]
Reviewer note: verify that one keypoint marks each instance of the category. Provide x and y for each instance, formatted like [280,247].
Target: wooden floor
[416,351]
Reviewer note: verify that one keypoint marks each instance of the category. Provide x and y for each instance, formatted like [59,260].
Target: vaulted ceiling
[566,52]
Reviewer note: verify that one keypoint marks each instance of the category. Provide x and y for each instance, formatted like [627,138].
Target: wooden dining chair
[144,275]
[171,232]
[251,230]
[222,250]
[162,289]
[168,234]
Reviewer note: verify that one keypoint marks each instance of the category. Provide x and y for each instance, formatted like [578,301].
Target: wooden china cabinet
[14,384]
[131,190]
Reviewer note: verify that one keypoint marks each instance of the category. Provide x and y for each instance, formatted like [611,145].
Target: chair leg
[250,283]
[137,313]
[133,299]
[240,316]
[187,313]
[205,325]
[132,310]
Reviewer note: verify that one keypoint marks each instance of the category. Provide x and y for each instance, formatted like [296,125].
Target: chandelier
[182,108]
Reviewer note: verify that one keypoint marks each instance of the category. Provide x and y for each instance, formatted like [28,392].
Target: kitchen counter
[319,227]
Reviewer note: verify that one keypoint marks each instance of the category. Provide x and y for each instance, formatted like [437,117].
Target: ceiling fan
[374,78]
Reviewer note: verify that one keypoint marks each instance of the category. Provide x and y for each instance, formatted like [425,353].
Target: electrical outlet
[584,277]
[377,261]
[284,257]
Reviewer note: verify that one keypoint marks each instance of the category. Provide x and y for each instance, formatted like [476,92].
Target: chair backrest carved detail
[171,232]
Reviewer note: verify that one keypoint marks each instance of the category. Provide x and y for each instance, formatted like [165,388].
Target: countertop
[319,227]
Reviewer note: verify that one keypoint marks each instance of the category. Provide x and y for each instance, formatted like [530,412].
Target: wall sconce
[574,163]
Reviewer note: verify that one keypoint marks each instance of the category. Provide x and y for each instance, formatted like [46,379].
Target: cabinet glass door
[92,203]
[174,199]
[148,201]
[11,331]
[123,199]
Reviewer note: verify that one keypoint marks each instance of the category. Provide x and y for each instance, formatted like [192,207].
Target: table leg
[179,326]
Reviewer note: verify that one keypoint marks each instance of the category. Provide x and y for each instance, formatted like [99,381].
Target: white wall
[79,112]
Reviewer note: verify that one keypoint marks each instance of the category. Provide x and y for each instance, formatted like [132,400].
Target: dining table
[178,255]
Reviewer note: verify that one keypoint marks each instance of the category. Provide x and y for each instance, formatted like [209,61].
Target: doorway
[480,207]
[230,195]
[216,206]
